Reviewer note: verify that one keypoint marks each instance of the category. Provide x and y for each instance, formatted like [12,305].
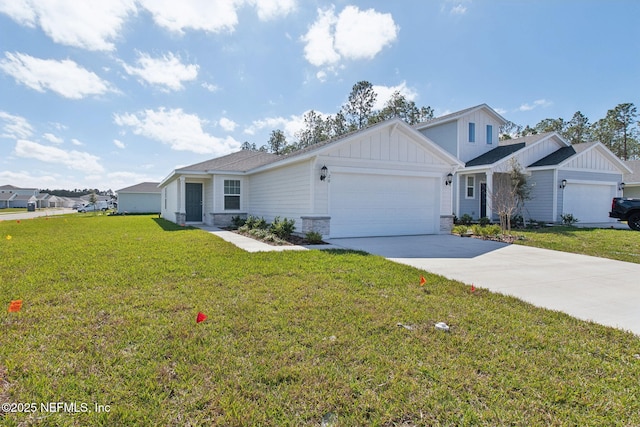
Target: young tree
[315,130]
[551,125]
[577,129]
[399,106]
[511,190]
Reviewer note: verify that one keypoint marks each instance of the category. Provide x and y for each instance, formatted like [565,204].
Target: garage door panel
[382,205]
[588,202]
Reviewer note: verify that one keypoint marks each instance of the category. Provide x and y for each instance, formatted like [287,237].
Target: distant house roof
[6,196]
[240,161]
[498,153]
[555,158]
[24,197]
[634,176]
[143,187]
[13,188]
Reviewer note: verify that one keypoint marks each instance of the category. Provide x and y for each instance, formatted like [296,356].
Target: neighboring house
[16,197]
[632,180]
[576,179]
[387,179]
[139,198]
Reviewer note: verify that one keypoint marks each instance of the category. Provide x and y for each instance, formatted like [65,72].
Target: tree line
[619,130]
[357,113]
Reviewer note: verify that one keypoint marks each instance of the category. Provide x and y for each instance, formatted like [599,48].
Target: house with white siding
[140,198]
[388,179]
[396,179]
[631,187]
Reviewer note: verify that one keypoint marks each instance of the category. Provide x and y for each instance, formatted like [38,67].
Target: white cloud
[458,10]
[72,159]
[76,142]
[167,71]
[538,103]
[271,9]
[122,179]
[179,130]
[213,16]
[228,125]
[353,34]
[65,77]
[384,94]
[210,87]
[88,24]
[118,143]
[29,180]
[15,127]
[52,138]
[289,126]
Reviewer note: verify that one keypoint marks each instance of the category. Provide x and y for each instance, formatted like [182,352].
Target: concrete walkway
[589,288]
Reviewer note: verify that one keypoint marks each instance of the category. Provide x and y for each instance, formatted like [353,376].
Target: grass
[292,338]
[622,245]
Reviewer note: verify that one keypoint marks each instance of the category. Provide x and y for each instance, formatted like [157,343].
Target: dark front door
[483,199]
[193,202]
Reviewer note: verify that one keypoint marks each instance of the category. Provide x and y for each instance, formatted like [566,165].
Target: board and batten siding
[470,150]
[284,192]
[540,206]
[591,159]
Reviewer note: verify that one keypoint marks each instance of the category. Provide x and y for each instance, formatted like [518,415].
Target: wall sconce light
[621,186]
[449,179]
[563,183]
[323,173]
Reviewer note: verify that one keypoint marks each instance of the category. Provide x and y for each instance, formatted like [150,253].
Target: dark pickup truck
[626,210]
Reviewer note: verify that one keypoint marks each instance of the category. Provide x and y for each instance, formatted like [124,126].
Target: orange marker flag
[201,317]
[422,280]
[473,288]
[15,306]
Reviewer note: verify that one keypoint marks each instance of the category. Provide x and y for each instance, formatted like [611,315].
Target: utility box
[31,207]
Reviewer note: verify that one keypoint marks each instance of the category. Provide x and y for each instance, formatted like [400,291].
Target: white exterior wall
[284,192]
[470,150]
[169,200]
[139,202]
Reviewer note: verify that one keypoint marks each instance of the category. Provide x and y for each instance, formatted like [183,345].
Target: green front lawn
[622,245]
[292,338]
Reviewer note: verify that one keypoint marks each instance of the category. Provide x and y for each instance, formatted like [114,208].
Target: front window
[489,134]
[472,132]
[471,187]
[232,194]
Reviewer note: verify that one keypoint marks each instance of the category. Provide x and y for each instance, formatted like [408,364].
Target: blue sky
[106,94]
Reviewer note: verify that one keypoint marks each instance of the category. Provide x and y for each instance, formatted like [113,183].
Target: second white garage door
[588,202]
[383,205]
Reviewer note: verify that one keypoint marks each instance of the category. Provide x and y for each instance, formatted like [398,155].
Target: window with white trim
[231,194]
[489,134]
[472,132]
[471,187]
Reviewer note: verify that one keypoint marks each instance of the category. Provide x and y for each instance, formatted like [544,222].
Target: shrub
[460,229]
[568,219]
[313,237]
[237,221]
[466,219]
[282,228]
[484,221]
[253,222]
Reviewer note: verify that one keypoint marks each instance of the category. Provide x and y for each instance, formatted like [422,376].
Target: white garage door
[382,205]
[588,202]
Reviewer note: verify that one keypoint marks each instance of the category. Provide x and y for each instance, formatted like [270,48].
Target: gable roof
[456,115]
[240,161]
[634,176]
[143,187]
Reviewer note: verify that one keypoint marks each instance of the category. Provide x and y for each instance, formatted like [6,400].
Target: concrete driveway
[35,214]
[589,288]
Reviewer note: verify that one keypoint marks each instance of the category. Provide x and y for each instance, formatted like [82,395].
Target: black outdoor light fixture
[449,179]
[323,173]
[563,183]
[621,186]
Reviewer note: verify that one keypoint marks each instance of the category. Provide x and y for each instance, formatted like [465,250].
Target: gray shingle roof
[143,187]
[555,158]
[498,153]
[240,161]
